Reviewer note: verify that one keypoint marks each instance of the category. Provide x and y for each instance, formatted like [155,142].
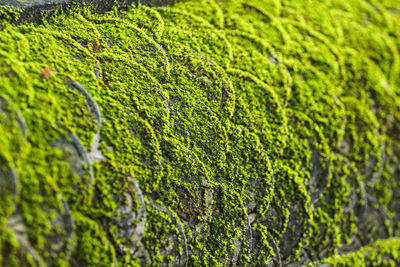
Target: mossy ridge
[380,253]
[253,100]
[347,142]
[251,53]
[12,150]
[202,37]
[147,19]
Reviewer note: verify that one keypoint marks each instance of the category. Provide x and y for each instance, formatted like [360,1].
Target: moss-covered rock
[207,133]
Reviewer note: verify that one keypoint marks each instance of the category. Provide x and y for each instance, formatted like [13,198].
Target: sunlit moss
[257,131]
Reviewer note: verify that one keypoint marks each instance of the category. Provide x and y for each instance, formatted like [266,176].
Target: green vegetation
[230,132]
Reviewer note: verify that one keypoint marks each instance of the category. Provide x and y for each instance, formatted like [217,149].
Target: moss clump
[380,253]
[246,132]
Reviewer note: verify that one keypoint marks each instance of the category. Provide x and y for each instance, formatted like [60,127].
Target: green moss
[9,14]
[207,133]
[380,253]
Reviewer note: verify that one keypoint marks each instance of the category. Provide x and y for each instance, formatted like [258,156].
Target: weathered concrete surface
[35,9]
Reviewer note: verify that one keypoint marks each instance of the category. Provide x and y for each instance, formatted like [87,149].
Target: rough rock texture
[99,4]
[229,132]
[36,9]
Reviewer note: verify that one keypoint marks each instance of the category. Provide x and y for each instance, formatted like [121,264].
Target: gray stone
[33,9]
[97,4]
[130,223]
[31,3]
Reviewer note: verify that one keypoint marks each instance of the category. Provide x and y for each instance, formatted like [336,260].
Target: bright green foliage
[257,131]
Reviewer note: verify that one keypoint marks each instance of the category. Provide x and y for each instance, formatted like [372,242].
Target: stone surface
[33,9]
[196,159]
[31,3]
[96,3]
